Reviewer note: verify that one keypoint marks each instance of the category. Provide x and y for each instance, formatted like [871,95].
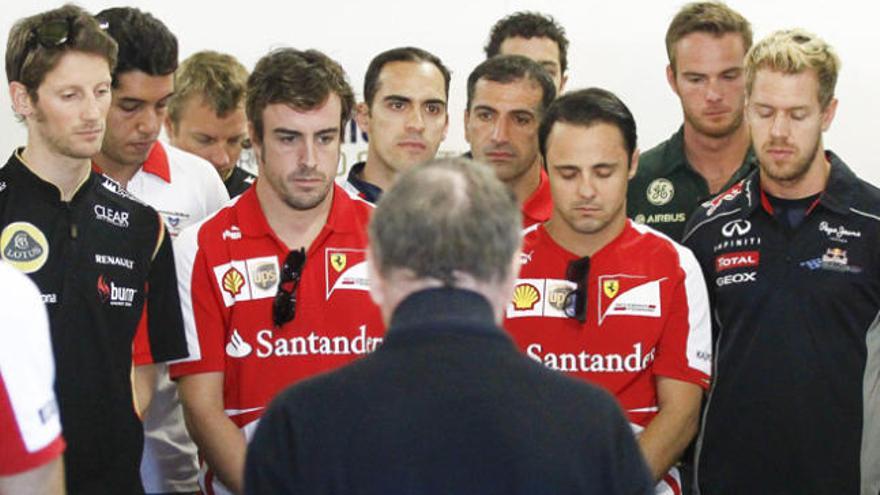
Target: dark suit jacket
[446,405]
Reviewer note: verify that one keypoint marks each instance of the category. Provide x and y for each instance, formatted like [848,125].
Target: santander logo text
[270,343]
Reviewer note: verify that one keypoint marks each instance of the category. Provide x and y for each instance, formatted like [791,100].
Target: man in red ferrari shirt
[274,286]
[606,300]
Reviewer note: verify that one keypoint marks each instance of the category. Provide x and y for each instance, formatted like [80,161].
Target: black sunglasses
[57,32]
[284,305]
[575,305]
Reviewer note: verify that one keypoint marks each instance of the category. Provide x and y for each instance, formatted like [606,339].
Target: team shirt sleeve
[685,349]
[160,335]
[202,308]
[30,428]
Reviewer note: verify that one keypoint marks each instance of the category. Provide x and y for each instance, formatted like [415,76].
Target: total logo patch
[660,192]
[24,246]
[740,259]
[246,280]
[345,269]
[115,295]
[117,218]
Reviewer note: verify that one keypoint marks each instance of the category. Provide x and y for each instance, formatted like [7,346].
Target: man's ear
[633,164]
[828,114]
[362,117]
[21,99]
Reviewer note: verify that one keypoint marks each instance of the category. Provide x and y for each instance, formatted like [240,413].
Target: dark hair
[145,44]
[510,68]
[402,54]
[446,218]
[301,79]
[586,107]
[28,61]
[706,17]
[528,25]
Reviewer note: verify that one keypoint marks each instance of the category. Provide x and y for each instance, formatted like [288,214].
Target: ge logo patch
[736,227]
[660,192]
[24,246]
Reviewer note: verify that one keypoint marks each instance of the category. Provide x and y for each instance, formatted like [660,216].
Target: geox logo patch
[24,246]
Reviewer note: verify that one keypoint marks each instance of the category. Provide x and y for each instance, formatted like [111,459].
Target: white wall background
[617,45]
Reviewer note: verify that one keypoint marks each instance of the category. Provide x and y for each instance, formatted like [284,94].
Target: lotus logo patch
[525,296]
[233,281]
[24,246]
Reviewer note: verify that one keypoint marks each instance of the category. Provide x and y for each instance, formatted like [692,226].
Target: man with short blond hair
[705,43]
[206,114]
[790,256]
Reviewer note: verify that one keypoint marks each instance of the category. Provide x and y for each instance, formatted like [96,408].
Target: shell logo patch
[233,281]
[338,261]
[525,296]
[24,246]
[611,287]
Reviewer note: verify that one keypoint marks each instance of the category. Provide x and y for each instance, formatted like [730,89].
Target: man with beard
[404,115]
[705,43]
[790,254]
[102,260]
[274,285]
[506,98]
[606,300]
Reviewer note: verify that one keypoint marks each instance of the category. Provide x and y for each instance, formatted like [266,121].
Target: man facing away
[606,300]
[447,404]
[536,36]
[506,97]
[102,260]
[404,115]
[182,187]
[206,114]
[790,254]
[706,43]
[274,285]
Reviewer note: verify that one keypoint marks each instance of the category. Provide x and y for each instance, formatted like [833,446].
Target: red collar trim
[539,206]
[157,163]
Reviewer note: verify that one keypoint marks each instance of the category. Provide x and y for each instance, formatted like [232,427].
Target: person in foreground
[447,404]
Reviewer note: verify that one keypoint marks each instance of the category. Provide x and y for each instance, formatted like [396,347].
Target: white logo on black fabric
[738,227]
[736,278]
[106,259]
[838,233]
[660,192]
[107,214]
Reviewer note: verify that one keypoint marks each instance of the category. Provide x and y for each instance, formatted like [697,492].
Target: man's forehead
[136,84]
[68,70]
[411,76]
[538,48]
[323,116]
[522,92]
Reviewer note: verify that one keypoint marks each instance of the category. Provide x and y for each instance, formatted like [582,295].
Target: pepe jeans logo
[838,233]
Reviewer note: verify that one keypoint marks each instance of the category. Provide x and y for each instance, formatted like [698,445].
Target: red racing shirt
[229,267]
[647,315]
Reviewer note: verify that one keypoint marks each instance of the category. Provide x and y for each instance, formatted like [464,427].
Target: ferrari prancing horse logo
[610,287]
[338,261]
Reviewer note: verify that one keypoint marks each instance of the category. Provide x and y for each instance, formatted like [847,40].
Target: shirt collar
[674,158]
[838,195]
[253,222]
[17,164]
[539,206]
[157,163]
[441,310]
[369,192]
